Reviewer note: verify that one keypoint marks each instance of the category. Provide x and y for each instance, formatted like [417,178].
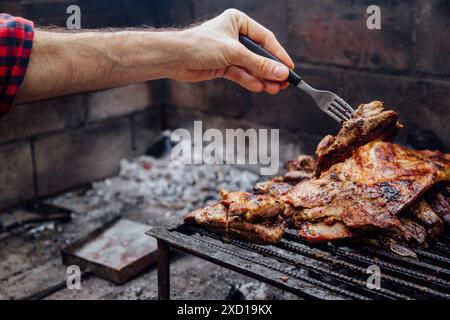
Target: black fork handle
[293,78]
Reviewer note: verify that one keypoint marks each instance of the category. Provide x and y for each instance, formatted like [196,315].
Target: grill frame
[330,271]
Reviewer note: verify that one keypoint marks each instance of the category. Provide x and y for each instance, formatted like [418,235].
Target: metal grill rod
[330,260]
[290,273]
[350,253]
[361,285]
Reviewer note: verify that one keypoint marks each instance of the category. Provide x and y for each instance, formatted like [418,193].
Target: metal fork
[327,101]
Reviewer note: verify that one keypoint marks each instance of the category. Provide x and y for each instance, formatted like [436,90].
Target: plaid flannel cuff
[16,40]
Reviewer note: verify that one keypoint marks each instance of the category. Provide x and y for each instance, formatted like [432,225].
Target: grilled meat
[261,233]
[439,200]
[321,231]
[360,184]
[409,231]
[217,219]
[369,188]
[213,217]
[422,211]
[273,187]
[389,243]
[369,123]
[252,208]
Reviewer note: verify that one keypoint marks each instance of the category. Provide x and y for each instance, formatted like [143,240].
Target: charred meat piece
[370,122]
[213,217]
[409,231]
[251,207]
[439,200]
[422,211]
[388,243]
[321,231]
[299,169]
[217,219]
[369,188]
[261,233]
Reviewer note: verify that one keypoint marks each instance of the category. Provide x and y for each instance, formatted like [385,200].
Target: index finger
[263,36]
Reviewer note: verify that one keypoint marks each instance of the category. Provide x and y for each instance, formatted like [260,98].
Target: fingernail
[280,71]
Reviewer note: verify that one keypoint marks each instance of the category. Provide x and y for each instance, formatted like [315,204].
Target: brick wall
[55,145]
[406,64]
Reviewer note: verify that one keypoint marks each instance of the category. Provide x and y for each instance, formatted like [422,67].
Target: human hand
[212,50]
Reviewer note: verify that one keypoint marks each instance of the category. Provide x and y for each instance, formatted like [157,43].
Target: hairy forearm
[64,63]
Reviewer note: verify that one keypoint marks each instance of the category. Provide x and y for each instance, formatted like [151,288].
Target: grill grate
[327,271]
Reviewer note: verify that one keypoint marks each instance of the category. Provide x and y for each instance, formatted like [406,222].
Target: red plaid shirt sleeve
[16,40]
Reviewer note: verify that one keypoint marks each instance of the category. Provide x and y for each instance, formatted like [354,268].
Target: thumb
[261,67]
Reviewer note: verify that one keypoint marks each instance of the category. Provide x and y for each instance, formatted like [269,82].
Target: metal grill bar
[266,264]
[433,256]
[288,272]
[335,269]
[320,270]
[415,263]
[346,252]
[443,248]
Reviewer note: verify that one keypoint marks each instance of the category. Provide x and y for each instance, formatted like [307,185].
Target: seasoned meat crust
[370,122]
[369,188]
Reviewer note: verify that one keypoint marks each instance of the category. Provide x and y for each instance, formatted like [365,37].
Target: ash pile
[167,183]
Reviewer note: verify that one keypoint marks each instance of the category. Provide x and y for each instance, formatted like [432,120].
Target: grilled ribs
[360,184]
[370,122]
[240,215]
[252,208]
[368,189]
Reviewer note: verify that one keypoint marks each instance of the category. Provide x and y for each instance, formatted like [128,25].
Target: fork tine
[335,114]
[340,108]
[329,102]
[332,115]
[345,105]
